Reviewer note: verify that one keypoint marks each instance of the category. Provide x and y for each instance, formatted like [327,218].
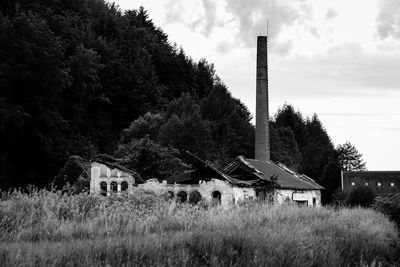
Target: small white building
[284,184]
[108,178]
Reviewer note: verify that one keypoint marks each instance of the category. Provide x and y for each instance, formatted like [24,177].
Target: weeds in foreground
[46,228]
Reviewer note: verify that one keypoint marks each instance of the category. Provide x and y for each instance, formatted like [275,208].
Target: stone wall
[228,194]
[306,197]
[214,191]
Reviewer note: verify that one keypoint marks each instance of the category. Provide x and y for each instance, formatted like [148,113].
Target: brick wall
[382,182]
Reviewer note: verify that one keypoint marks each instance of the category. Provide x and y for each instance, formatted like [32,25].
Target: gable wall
[101,173]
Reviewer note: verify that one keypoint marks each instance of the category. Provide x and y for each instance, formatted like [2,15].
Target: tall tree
[349,158]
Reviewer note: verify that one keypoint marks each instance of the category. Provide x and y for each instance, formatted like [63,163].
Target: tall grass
[44,228]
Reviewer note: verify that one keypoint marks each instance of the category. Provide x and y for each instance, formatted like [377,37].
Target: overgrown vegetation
[390,206]
[45,228]
[360,196]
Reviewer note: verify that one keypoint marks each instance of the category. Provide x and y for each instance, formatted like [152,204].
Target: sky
[339,59]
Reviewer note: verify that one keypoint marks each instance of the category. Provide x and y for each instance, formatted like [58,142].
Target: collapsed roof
[246,172]
[206,172]
[279,174]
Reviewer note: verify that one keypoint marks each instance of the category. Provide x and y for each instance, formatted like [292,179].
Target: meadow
[45,228]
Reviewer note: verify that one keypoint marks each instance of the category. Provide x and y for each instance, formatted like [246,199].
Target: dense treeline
[304,145]
[74,74]
[84,78]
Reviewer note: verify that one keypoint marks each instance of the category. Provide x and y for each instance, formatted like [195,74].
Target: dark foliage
[390,206]
[74,74]
[194,197]
[74,175]
[349,158]
[304,145]
[360,196]
[150,159]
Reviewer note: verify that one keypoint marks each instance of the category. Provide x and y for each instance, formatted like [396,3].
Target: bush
[390,206]
[74,176]
[360,196]
[338,197]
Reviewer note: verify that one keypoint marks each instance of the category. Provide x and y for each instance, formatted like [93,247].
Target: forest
[84,78]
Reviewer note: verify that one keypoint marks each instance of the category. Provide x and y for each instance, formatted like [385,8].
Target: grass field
[44,228]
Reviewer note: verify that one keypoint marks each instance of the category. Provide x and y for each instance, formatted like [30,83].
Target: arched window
[114,186]
[124,186]
[103,188]
[216,197]
[181,196]
[171,195]
[194,197]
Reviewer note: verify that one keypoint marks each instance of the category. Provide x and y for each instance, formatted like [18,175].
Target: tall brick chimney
[262,115]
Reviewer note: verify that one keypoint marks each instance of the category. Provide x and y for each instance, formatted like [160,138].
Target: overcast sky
[339,59]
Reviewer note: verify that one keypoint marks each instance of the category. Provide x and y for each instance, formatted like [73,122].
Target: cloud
[355,114]
[390,129]
[282,48]
[210,16]
[243,19]
[174,11]
[331,14]
[195,24]
[345,70]
[198,14]
[314,31]
[388,19]
[252,16]
[223,47]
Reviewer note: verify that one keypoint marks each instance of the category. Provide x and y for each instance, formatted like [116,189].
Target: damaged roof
[207,171]
[281,175]
[252,173]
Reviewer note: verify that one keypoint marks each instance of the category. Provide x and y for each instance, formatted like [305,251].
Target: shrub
[338,197]
[390,206]
[360,196]
[74,175]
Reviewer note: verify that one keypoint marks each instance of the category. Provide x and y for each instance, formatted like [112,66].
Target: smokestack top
[262,150]
[262,42]
[262,51]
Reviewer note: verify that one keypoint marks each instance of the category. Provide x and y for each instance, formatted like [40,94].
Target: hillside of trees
[82,77]
[74,74]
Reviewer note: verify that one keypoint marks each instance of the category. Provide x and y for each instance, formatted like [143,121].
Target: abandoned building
[242,179]
[107,178]
[245,179]
[381,182]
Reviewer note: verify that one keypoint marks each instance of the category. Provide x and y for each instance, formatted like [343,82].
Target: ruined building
[243,178]
[107,178]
